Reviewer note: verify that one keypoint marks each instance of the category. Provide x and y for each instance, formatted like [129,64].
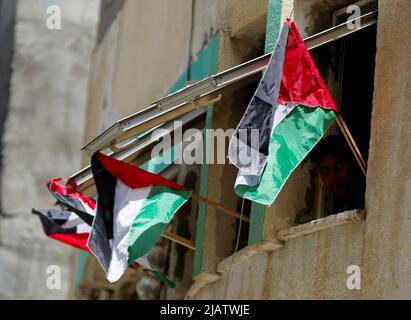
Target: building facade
[145,50]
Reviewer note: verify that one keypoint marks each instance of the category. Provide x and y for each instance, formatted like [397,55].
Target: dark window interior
[354,75]
[357,85]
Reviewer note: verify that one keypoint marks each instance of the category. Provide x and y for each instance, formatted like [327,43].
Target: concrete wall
[313,16]
[242,26]
[386,260]
[43,135]
[142,55]
[308,267]
[7,20]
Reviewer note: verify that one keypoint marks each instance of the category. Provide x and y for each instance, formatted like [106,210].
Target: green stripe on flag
[161,277]
[290,143]
[156,212]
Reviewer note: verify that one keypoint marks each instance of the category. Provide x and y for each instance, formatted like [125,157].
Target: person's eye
[338,165]
[323,171]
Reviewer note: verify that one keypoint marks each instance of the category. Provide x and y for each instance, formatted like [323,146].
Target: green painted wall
[273,23]
[169,156]
[204,66]
[256,230]
[81,263]
[180,83]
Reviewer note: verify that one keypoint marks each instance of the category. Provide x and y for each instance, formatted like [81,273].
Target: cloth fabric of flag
[302,111]
[72,224]
[133,209]
[64,226]
[67,226]
[73,200]
[249,152]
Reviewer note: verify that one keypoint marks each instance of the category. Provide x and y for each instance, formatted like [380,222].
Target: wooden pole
[191,245]
[351,143]
[180,240]
[220,207]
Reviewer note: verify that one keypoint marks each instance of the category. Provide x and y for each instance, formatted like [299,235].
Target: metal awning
[189,102]
[84,178]
[200,93]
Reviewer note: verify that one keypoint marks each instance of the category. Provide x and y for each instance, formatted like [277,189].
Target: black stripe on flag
[54,219]
[73,204]
[260,115]
[102,230]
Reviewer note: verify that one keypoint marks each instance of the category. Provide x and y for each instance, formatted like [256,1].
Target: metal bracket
[113,146]
[201,102]
[190,92]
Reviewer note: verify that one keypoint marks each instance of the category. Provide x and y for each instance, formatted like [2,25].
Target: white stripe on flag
[87,208]
[127,204]
[280,113]
[73,221]
[83,228]
[245,178]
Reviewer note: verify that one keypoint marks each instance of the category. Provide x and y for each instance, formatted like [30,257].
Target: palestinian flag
[72,224]
[301,112]
[133,209]
[249,146]
[64,226]
[73,200]
[68,227]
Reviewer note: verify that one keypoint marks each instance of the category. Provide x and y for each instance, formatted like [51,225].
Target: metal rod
[351,143]
[180,240]
[220,207]
[84,175]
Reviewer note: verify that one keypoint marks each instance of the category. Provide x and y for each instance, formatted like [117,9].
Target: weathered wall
[7,20]
[43,135]
[142,55]
[242,25]
[314,16]
[308,267]
[386,263]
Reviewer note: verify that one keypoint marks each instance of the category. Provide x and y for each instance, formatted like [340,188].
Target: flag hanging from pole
[249,146]
[64,226]
[298,108]
[133,209]
[72,225]
[73,200]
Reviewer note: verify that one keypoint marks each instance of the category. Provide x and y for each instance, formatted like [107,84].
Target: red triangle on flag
[301,82]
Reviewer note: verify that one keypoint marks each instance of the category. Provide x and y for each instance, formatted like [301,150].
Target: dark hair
[335,145]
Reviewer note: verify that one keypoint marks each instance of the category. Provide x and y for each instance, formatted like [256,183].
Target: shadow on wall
[7,20]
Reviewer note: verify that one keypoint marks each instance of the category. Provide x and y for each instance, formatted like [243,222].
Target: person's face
[335,173]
